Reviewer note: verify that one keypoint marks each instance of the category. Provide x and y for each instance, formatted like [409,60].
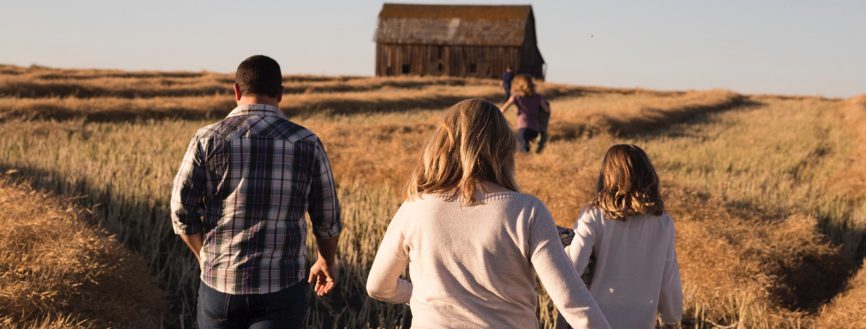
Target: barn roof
[479,25]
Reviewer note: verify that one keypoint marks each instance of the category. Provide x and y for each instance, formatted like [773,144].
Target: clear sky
[789,47]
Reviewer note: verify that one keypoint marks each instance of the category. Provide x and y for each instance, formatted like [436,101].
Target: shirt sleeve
[383,281]
[558,276]
[324,208]
[671,296]
[187,193]
[581,247]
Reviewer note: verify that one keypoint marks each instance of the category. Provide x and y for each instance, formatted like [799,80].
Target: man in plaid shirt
[239,200]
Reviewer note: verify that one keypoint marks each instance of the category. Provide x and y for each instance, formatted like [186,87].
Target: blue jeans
[541,141]
[282,309]
[524,135]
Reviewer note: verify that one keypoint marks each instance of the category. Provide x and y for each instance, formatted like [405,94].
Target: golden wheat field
[767,192]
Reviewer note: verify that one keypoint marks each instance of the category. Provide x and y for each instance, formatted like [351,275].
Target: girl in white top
[471,241]
[631,240]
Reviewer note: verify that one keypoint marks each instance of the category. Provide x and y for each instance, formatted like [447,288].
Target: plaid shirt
[245,183]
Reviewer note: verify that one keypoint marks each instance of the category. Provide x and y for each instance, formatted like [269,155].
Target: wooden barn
[457,40]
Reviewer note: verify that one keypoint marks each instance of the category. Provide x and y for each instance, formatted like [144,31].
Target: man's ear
[280,95]
[238,93]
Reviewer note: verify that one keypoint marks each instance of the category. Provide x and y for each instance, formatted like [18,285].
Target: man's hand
[322,276]
[322,273]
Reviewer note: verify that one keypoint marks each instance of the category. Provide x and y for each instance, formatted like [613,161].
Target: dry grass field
[766,191]
[58,271]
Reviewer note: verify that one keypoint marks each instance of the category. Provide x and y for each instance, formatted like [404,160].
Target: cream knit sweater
[636,274]
[472,266]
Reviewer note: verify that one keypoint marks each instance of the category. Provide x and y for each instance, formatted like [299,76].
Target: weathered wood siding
[471,61]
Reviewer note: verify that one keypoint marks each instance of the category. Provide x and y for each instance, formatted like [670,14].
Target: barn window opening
[406,68]
[473,68]
[440,67]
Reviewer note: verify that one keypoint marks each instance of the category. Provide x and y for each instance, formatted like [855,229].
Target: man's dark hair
[259,75]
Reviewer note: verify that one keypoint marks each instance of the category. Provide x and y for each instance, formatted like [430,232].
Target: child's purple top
[528,108]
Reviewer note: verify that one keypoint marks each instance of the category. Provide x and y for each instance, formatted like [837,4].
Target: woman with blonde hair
[532,112]
[630,239]
[471,240]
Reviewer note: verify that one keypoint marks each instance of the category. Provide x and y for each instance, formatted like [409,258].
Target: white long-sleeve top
[472,266]
[636,273]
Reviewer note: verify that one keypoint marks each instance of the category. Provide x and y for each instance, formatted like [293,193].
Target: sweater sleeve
[384,282]
[671,296]
[580,249]
[558,276]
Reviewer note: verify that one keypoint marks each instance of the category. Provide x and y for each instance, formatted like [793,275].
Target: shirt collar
[256,109]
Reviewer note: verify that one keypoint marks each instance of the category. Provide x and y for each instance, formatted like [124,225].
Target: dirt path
[58,271]
[848,309]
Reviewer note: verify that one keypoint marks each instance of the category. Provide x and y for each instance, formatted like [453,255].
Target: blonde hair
[628,184]
[473,143]
[523,86]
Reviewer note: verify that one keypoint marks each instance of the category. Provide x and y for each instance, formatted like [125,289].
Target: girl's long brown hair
[628,184]
[473,143]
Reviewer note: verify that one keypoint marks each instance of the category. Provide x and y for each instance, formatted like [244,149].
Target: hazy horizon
[804,48]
